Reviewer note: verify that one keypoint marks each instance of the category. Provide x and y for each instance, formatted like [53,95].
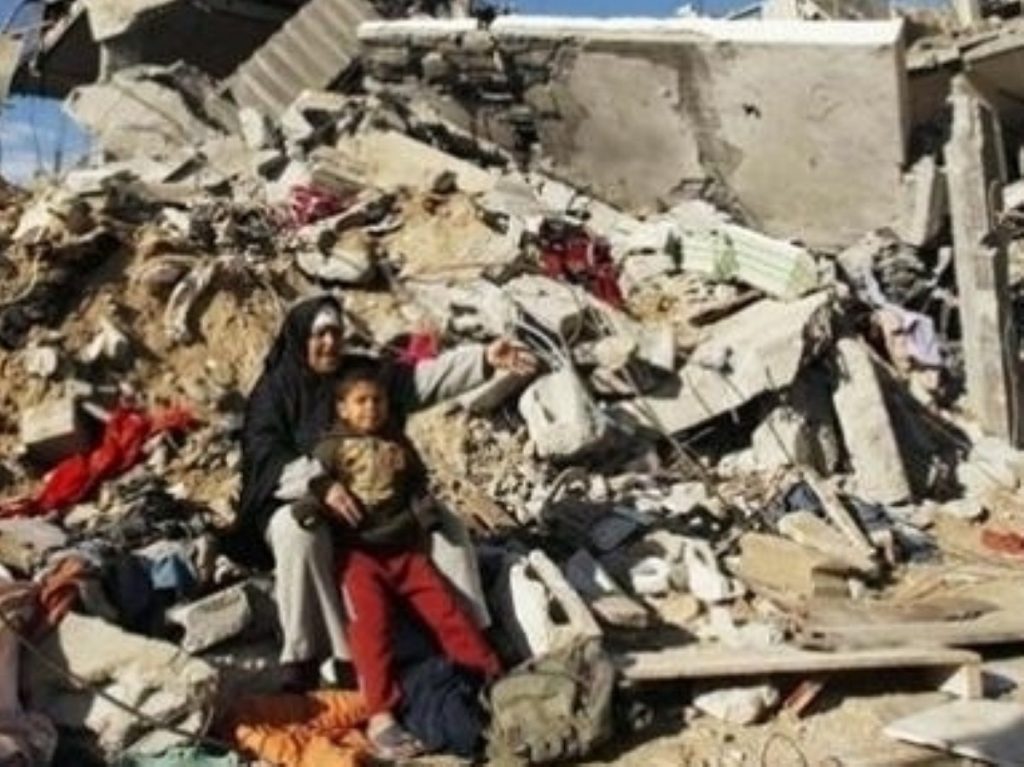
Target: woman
[288,410]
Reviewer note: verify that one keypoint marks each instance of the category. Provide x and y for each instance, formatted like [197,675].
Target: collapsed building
[771,268]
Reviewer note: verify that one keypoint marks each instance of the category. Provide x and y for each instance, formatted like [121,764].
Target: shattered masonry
[772,270]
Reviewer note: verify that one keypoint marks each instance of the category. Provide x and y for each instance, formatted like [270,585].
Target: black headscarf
[288,411]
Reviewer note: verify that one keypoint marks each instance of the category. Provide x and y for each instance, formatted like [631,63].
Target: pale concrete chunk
[562,420]
[809,530]
[867,428]
[730,252]
[758,350]
[559,307]
[156,677]
[789,568]
[987,730]
[925,203]
[54,430]
[974,165]
[394,160]
[214,619]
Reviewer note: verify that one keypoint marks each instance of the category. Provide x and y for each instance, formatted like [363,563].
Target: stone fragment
[53,430]
[789,568]
[110,344]
[256,129]
[24,542]
[807,529]
[558,307]
[155,677]
[925,203]
[214,619]
[41,361]
[704,579]
[561,418]
[867,427]
[760,349]
[344,266]
[737,705]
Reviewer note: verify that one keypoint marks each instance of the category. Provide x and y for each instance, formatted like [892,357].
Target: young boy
[382,561]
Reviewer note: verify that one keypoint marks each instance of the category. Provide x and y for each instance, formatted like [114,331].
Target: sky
[36,136]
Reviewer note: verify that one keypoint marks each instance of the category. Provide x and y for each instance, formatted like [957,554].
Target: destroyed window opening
[83,684]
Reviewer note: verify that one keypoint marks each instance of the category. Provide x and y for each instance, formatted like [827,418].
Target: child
[382,560]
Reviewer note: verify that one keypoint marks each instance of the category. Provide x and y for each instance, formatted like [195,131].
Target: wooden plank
[1002,627]
[703,662]
[988,730]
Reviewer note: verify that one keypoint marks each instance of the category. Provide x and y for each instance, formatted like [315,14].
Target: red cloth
[1005,542]
[419,348]
[370,582]
[573,255]
[309,204]
[76,477]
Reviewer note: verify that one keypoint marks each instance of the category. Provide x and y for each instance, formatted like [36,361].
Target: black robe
[287,413]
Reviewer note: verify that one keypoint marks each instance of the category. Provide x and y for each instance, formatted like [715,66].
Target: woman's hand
[506,354]
[342,505]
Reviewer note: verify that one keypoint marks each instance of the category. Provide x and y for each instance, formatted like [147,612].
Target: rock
[345,267]
[558,307]
[686,497]
[256,129]
[867,427]
[561,418]
[789,568]
[737,705]
[110,344]
[640,269]
[807,529]
[784,439]
[41,361]
[54,430]
[704,579]
[650,577]
[155,677]
[759,349]
[214,619]
[24,542]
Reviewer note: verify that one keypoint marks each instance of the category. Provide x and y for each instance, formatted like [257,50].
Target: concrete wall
[804,124]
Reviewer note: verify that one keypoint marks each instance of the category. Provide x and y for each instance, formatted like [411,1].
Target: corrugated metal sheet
[310,51]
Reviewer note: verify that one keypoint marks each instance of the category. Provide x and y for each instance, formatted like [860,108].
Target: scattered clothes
[73,479]
[26,739]
[570,253]
[59,590]
[441,707]
[319,729]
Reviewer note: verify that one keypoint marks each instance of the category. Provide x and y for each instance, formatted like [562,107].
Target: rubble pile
[755,464]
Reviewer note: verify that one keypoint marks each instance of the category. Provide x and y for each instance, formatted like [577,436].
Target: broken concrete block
[54,430]
[337,172]
[737,705]
[925,203]
[731,252]
[757,350]
[256,129]
[538,608]
[788,568]
[807,529]
[344,266]
[636,270]
[41,361]
[153,676]
[560,308]
[784,439]
[212,620]
[394,160]
[561,418]
[24,542]
[110,344]
[867,428]
[308,111]
[650,577]
[704,579]
[144,111]
[975,165]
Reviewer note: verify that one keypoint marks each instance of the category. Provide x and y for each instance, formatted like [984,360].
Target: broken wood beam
[703,662]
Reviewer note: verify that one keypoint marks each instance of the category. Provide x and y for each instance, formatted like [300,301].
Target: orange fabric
[320,729]
[58,592]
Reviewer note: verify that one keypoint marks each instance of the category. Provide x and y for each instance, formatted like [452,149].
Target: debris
[54,430]
[789,568]
[212,620]
[987,730]
[738,705]
[867,429]
[560,416]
